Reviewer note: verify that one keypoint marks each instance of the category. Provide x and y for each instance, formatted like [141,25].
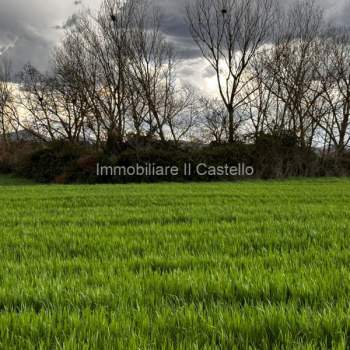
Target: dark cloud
[28,28]
[175,26]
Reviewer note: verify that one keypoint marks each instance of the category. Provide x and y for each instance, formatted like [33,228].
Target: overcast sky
[29,29]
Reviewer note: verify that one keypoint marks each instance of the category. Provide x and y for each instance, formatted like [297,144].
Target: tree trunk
[231,130]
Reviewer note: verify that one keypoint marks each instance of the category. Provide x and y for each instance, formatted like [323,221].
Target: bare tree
[292,67]
[258,106]
[152,67]
[214,120]
[181,112]
[229,33]
[71,89]
[103,44]
[52,105]
[33,99]
[152,78]
[76,52]
[336,68]
[6,98]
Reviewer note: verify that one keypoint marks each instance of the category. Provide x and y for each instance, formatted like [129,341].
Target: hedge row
[270,156]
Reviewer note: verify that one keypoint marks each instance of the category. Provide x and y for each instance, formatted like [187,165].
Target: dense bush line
[271,157]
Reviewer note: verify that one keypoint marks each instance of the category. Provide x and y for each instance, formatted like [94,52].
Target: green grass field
[170,266]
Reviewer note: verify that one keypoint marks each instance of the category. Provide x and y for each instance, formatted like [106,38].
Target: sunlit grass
[170,266]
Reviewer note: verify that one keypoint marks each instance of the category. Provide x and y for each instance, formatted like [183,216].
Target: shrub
[50,161]
[272,156]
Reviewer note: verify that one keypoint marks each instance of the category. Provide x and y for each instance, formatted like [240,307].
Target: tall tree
[292,67]
[336,68]
[229,33]
[6,97]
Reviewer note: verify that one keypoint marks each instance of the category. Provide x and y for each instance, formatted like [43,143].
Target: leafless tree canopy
[7,108]
[115,74]
[229,33]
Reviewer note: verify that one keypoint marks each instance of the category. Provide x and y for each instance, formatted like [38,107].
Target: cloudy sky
[29,29]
